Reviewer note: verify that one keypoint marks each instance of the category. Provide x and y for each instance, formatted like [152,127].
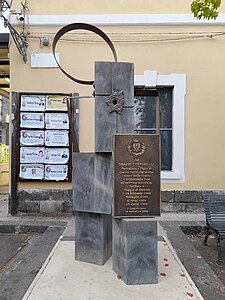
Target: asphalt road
[10,245]
[209,253]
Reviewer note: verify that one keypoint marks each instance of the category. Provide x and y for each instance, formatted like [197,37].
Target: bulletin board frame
[31,126]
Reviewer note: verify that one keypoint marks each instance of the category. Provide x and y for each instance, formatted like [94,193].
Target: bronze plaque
[136,175]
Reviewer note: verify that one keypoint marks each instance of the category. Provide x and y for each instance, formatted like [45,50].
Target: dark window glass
[166,150]
[145,119]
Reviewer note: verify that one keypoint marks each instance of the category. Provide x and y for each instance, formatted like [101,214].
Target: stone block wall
[45,201]
[173,201]
[60,201]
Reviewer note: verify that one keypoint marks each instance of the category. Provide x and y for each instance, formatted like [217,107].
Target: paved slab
[63,278]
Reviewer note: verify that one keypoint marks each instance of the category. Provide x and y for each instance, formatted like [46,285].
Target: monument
[131,181]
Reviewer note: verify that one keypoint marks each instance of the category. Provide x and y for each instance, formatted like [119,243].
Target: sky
[2,27]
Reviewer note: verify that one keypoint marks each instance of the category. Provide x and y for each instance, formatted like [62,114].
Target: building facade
[171,51]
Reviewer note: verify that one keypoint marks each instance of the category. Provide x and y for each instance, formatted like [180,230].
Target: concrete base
[93,237]
[135,251]
[64,278]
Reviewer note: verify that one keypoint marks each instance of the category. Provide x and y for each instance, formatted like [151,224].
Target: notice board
[44,137]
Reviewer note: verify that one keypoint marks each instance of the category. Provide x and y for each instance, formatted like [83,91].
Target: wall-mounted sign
[32,154]
[31,171]
[136,175]
[53,172]
[56,103]
[32,138]
[56,121]
[56,155]
[57,138]
[32,120]
[32,103]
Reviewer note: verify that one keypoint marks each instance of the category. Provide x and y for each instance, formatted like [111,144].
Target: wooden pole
[157,116]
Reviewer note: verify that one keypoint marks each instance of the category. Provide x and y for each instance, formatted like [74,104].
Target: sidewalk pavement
[63,278]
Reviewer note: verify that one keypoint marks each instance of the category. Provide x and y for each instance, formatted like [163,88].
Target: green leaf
[207,9]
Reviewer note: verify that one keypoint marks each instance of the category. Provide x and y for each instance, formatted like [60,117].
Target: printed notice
[32,103]
[56,138]
[32,154]
[56,121]
[32,120]
[32,138]
[56,155]
[53,172]
[56,103]
[28,171]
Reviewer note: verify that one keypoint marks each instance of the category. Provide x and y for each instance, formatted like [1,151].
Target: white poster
[31,171]
[56,155]
[32,138]
[32,154]
[53,172]
[56,103]
[56,138]
[56,121]
[32,103]
[32,120]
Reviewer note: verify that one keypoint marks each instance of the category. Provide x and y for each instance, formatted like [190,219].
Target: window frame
[151,79]
[151,128]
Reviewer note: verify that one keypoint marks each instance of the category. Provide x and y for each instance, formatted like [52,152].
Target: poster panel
[56,155]
[57,138]
[32,137]
[32,120]
[56,103]
[32,103]
[56,172]
[31,171]
[32,154]
[56,121]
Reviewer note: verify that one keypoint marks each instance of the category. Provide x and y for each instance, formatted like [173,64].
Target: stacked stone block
[135,250]
[92,172]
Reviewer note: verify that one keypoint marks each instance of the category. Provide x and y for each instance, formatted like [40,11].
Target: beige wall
[201,59]
[106,7]
[57,7]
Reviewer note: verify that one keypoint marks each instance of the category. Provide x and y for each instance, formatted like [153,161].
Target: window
[172,90]
[145,119]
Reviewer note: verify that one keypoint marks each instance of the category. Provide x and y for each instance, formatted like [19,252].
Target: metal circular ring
[87,27]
